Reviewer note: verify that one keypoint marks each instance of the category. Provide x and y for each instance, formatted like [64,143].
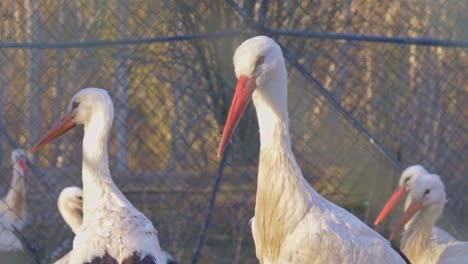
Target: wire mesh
[388,102]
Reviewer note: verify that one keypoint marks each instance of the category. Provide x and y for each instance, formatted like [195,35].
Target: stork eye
[427,191]
[260,61]
[407,179]
[75,105]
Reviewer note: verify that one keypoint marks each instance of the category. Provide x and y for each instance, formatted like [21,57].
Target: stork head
[258,59]
[408,176]
[258,62]
[18,158]
[427,191]
[85,105]
[71,198]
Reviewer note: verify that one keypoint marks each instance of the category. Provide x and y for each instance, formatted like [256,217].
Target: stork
[405,184]
[292,222]
[13,205]
[113,230]
[70,204]
[418,241]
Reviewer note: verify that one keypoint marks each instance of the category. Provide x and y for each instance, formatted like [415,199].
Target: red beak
[56,131]
[413,208]
[23,165]
[242,96]
[396,196]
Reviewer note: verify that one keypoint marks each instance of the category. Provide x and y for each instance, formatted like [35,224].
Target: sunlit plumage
[292,223]
[112,229]
[70,203]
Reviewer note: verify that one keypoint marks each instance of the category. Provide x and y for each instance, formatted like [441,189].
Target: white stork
[70,206]
[419,243]
[13,205]
[292,223]
[113,230]
[405,184]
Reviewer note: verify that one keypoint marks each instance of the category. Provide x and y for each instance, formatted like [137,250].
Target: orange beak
[413,208]
[394,198]
[56,131]
[244,89]
[23,165]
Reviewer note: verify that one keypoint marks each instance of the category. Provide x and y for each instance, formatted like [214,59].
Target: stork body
[421,242]
[292,223]
[113,230]
[13,205]
[70,205]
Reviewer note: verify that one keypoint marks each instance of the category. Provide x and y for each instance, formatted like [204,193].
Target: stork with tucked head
[13,205]
[113,230]
[70,205]
[292,223]
[419,242]
[405,184]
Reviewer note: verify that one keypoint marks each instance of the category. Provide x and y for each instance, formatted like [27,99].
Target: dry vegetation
[172,98]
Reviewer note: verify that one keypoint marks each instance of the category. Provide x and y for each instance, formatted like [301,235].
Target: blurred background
[374,86]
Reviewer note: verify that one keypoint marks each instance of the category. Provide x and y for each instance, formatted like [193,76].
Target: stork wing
[332,235]
[441,236]
[455,253]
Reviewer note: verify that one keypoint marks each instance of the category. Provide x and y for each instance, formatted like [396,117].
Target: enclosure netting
[359,110]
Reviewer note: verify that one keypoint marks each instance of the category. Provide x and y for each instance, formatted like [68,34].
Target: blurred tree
[59,87]
[34,58]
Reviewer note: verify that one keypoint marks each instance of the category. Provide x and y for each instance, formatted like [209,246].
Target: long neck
[270,102]
[283,195]
[417,236]
[98,186]
[16,196]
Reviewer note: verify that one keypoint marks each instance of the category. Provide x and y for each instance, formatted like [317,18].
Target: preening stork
[113,230]
[13,205]
[419,242]
[70,204]
[292,223]
[405,184]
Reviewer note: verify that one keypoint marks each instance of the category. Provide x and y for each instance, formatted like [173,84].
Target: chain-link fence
[362,105]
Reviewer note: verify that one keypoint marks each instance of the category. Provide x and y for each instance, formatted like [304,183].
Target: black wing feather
[402,255]
[106,259]
[136,259]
